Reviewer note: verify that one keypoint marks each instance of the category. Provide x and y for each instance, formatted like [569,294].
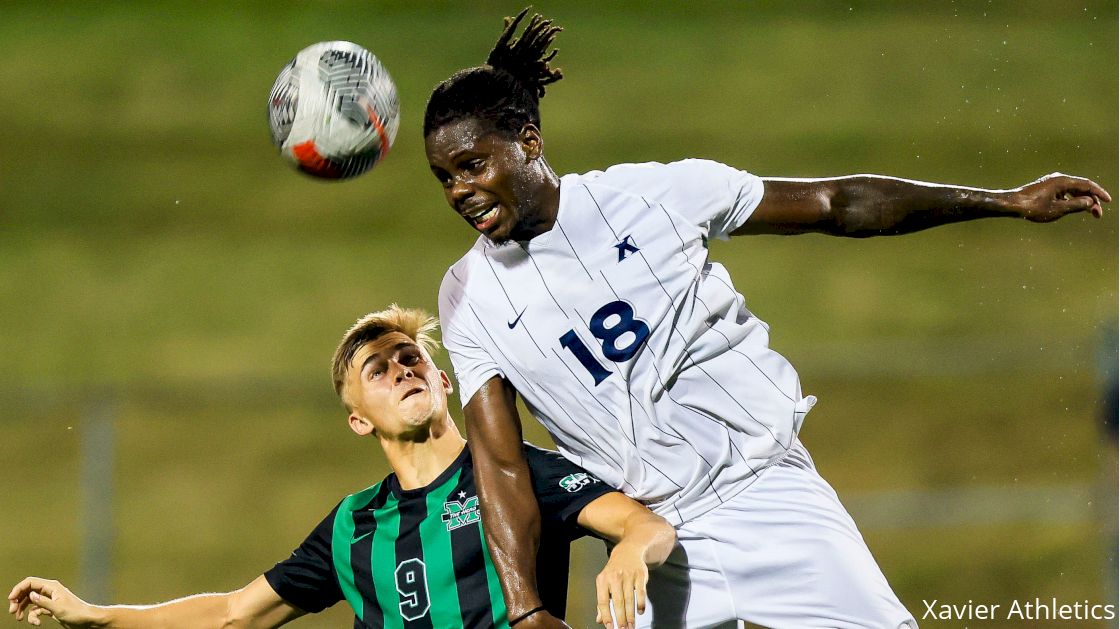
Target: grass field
[154,248]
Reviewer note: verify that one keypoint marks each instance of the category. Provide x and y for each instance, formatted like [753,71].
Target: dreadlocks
[505,92]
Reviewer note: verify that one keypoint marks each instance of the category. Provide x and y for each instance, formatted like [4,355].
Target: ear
[447,388]
[360,425]
[531,141]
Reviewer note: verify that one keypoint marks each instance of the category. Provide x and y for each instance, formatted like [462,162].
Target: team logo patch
[624,247]
[575,482]
[458,514]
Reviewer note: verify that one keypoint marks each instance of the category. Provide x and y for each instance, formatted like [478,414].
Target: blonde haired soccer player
[409,549]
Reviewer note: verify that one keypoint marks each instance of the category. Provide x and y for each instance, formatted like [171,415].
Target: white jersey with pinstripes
[632,348]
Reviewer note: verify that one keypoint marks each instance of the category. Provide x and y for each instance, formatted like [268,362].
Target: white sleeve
[471,361]
[713,196]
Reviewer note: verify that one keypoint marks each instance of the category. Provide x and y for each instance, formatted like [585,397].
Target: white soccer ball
[333,110]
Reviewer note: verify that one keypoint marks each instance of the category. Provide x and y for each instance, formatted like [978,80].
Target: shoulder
[625,175]
[537,456]
[366,498]
[455,279]
[670,183]
[552,470]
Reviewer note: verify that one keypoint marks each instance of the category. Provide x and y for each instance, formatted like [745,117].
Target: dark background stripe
[409,547]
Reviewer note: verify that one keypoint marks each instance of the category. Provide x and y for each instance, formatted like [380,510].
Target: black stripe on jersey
[670,298]
[637,450]
[669,395]
[361,560]
[414,611]
[467,555]
[573,248]
[709,310]
[650,421]
[672,225]
[718,423]
[661,381]
[524,329]
[590,393]
[513,308]
[598,207]
[545,283]
[736,401]
[571,420]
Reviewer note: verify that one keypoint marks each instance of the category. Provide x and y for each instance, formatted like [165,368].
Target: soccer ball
[333,110]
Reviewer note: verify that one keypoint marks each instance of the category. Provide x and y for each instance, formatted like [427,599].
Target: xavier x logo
[624,246]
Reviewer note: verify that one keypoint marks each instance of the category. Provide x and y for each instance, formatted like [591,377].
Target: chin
[499,239]
[419,416]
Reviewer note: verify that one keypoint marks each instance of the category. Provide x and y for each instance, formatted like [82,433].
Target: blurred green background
[165,273]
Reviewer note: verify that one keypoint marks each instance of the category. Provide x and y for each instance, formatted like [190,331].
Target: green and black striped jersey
[418,559]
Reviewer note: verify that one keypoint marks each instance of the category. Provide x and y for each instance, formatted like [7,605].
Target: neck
[417,459]
[544,207]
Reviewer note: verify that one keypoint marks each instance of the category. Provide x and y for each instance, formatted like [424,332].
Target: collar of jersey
[444,476]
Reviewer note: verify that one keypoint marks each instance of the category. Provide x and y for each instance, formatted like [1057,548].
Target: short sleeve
[563,488]
[307,578]
[713,196]
[472,363]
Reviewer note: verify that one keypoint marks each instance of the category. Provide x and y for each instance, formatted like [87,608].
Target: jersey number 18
[608,336]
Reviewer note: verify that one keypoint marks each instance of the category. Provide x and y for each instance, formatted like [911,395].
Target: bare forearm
[255,605]
[510,515]
[871,205]
[868,205]
[200,610]
[511,520]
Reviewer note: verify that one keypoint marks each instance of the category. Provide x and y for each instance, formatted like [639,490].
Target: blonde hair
[414,323]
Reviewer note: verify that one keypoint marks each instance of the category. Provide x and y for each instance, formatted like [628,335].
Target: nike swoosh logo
[513,324]
[355,540]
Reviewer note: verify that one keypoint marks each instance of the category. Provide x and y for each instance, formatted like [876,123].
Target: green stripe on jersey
[436,541]
[497,600]
[383,561]
[341,535]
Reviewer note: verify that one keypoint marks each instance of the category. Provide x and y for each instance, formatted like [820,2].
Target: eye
[443,176]
[376,372]
[475,165]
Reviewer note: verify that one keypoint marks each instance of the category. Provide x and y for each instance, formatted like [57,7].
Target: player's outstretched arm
[255,605]
[511,518]
[872,205]
[643,540]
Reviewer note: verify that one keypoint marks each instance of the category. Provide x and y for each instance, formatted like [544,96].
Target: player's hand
[621,586]
[1056,195]
[35,599]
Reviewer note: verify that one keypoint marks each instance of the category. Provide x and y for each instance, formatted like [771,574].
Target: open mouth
[411,392]
[483,218]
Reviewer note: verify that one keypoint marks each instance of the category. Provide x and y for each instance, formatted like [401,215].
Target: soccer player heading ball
[592,297]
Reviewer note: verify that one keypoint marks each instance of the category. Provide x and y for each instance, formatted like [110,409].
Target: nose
[403,372]
[460,191]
